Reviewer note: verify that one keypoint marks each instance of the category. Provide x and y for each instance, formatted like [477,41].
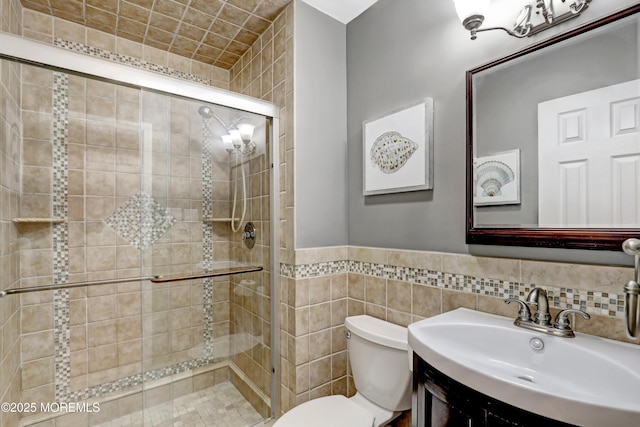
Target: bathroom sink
[586,380]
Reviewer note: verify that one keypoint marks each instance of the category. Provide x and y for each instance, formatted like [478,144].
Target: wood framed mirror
[553,140]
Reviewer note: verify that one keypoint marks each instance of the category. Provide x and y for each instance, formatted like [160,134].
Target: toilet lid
[334,411]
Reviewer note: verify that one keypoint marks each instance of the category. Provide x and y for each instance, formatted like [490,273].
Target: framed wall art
[496,179]
[398,150]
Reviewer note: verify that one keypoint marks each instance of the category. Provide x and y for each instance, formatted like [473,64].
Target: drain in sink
[526,378]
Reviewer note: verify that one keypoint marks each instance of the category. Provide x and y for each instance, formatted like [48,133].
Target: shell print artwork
[391,151]
[492,176]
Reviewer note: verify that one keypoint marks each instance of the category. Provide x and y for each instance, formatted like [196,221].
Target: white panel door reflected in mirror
[589,158]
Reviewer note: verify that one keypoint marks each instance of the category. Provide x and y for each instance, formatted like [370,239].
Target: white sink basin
[586,380]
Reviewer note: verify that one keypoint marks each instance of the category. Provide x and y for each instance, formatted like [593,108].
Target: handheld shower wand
[632,290]
[240,143]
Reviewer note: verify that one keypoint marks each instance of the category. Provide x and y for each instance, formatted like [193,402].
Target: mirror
[553,140]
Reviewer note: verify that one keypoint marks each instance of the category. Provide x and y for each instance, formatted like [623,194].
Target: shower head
[205,111]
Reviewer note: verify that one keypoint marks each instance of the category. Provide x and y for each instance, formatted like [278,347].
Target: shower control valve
[249,235]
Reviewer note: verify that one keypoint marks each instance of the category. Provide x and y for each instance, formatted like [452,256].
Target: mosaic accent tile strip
[121,384]
[207,233]
[62,343]
[128,60]
[601,303]
[60,209]
[60,172]
[313,270]
[141,220]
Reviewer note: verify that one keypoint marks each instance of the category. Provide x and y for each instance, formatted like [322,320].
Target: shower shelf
[220,219]
[38,220]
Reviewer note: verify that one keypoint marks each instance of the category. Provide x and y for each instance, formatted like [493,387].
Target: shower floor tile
[218,406]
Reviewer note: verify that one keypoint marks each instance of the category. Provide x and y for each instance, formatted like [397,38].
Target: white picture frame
[496,179]
[398,150]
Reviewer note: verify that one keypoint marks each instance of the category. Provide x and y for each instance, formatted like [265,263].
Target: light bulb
[236,139]
[226,141]
[467,8]
[246,131]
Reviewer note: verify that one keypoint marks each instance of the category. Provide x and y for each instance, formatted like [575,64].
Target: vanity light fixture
[532,19]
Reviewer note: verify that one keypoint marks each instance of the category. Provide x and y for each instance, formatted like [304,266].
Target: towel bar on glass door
[214,273]
[152,279]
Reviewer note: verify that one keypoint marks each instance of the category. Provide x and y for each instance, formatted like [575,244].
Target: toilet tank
[379,362]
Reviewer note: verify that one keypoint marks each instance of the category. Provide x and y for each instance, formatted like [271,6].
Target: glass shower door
[205,355]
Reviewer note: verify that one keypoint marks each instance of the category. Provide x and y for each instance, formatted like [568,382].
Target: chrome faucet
[538,297]
[541,321]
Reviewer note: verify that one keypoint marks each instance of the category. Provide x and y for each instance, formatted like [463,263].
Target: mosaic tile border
[601,303]
[122,384]
[207,234]
[60,209]
[128,60]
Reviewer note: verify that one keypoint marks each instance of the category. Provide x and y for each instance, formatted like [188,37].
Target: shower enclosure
[142,293]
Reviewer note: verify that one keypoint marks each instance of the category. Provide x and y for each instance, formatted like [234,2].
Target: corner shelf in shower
[38,220]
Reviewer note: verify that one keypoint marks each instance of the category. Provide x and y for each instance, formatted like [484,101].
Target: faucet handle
[524,313]
[562,319]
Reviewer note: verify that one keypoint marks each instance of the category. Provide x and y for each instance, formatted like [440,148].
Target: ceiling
[341,10]
[216,32]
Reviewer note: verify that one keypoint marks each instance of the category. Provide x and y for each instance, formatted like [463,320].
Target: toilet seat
[334,411]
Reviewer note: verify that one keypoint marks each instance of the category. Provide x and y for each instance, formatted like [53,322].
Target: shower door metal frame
[26,51]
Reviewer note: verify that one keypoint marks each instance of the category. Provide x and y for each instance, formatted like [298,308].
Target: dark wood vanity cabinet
[440,401]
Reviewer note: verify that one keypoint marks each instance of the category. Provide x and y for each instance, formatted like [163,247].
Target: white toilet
[380,367]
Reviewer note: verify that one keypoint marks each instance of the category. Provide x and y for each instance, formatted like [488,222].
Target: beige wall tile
[338,339]
[36,263]
[129,328]
[319,289]
[320,344]
[101,40]
[427,301]
[490,268]
[372,255]
[37,345]
[399,318]
[399,295]
[415,259]
[603,326]
[37,372]
[300,318]
[317,255]
[300,347]
[355,307]
[495,305]
[102,333]
[587,277]
[101,308]
[339,286]
[319,317]
[37,318]
[37,22]
[68,30]
[455,299]
[339,311]
[375,290]
[319,372]
[356,286]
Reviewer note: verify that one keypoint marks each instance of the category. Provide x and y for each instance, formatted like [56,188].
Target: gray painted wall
[399,52]
[320,128]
